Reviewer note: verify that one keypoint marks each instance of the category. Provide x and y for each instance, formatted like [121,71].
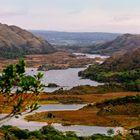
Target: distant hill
[82,39]
[122,44]
[16,42]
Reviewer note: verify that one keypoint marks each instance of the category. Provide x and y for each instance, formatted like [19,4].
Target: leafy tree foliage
[19,92]
[129,80]
[14,133]
[110,132]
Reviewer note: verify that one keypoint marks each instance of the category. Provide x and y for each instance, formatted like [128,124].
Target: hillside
[122,44]
[127,61]
[124,69]
[122,62]
[129,105]
[92,42]
[16,42]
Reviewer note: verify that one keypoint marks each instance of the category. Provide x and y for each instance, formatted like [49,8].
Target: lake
[91,55]
[80,130]
[23,124]
[65,78]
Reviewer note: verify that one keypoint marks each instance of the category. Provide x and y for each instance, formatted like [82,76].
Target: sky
[121,16]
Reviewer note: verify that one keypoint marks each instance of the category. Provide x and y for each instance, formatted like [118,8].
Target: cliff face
[15,41]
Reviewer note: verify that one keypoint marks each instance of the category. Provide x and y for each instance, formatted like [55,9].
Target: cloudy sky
[73,15]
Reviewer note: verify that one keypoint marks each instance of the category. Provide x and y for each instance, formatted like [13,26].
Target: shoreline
[88,115]
[87,118]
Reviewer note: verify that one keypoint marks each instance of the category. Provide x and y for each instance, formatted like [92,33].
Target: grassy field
[126,115]
[75,99]
[90,115]
[57,60]
[80,99]
[86,117]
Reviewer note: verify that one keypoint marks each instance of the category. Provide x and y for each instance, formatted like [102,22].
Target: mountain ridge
[122,44]
[74,38]
[16,42]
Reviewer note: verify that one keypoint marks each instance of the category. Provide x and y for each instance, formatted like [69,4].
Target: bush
[52,85]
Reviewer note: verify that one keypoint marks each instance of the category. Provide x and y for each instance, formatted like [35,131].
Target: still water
[81,130]
[91,55]
[67,78]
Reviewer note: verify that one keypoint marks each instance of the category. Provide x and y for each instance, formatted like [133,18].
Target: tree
[19,92]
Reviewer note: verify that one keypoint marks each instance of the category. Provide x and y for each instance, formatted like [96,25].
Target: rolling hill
[76,39]
[122,44]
